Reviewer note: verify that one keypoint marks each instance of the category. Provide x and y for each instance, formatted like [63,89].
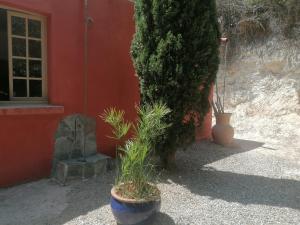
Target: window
[22,57]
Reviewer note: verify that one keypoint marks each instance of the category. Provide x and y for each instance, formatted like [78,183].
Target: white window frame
[27,15]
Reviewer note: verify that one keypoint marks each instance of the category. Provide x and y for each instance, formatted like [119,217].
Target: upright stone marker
[76,149]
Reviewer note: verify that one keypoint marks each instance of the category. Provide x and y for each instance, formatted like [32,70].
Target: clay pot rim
[133,201]
[220,114]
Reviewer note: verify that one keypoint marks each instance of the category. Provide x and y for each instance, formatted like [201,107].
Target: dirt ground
[252,183]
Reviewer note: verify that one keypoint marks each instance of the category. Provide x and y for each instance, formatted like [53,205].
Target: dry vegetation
[252,21]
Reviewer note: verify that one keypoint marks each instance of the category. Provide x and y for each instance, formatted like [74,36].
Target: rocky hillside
[263,89]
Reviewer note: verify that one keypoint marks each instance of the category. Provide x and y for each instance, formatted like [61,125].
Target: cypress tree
[175,54]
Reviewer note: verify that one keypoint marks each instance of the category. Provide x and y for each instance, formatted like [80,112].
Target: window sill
[27,109]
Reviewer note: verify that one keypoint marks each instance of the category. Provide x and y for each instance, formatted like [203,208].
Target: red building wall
[27,136]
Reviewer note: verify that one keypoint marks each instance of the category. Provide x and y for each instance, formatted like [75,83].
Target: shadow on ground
[86,197]
[211,152]
[162,219]
[44,202]
[47,203]
[159,219]
[194,174]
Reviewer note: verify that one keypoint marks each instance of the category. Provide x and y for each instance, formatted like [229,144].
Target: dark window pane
[4,76]
[35,68]
[34,28]
[19,67]
[18,26]
[35,49]
[35,88]
[19,47]
[20,88]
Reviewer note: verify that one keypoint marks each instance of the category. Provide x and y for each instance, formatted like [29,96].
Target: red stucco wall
[26,141]
[204,132]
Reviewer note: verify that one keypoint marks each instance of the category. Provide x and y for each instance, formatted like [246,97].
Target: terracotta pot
[223,132]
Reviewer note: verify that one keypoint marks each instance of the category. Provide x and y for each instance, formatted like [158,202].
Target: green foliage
[136,169]
[115,118]
[175,51]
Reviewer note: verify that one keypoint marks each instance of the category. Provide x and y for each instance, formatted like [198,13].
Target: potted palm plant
[134,197]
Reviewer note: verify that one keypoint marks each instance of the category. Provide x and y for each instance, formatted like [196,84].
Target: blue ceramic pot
[133,212]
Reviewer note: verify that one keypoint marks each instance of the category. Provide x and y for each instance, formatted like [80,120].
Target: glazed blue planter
[133,212]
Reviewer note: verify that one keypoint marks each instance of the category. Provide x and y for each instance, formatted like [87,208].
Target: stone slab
[93,166]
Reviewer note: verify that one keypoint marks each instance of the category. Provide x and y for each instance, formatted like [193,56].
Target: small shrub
[136,170]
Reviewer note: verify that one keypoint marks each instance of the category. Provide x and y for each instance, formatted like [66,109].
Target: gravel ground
[251,183]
